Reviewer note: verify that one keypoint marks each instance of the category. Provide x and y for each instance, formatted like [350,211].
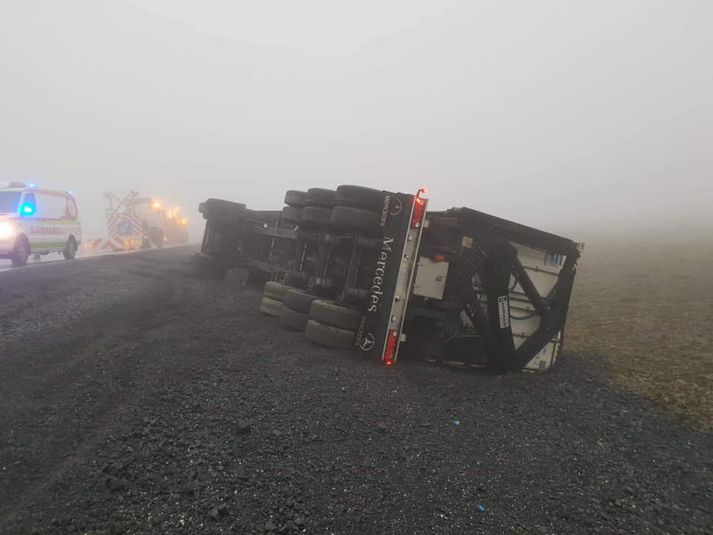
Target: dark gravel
[137,399]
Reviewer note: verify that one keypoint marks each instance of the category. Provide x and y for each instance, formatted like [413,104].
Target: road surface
[49,259]
[6,265]
[135,398]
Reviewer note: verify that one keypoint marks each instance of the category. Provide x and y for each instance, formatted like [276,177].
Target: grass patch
[645,311]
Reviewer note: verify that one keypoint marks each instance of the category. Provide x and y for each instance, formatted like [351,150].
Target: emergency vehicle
[144,222]
[37,221]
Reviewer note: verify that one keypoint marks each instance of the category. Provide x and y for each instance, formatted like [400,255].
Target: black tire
[21,253]
[299,300]
[293,319]
[156,236]
[222,212]
[296,198]
[320,197]
[335,315]
[360,197]
[292,214]
[70,249]
[316,215]
[218,205]
[329,336]
[271,307]
[356,219]
[276,290]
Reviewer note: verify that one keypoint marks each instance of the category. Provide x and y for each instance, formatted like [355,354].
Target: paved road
[52,259]
[135,398]
[6,265]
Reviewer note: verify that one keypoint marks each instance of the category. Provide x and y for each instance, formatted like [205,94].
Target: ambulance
[37,221]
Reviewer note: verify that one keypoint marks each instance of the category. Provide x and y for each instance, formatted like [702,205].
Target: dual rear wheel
[332,325]
[346,209]
[323,322]
[358,209]
[351,208]
[295,313]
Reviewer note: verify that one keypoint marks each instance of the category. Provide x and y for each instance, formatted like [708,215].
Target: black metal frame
[494,260]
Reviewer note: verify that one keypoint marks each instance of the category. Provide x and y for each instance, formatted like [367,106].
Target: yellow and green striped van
[37,221]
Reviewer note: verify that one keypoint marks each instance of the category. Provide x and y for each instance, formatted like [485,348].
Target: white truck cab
[37,221]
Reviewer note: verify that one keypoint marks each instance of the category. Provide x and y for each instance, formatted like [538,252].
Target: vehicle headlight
[7,230]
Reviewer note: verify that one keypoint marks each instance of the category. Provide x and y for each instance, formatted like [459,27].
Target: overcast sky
[566,115]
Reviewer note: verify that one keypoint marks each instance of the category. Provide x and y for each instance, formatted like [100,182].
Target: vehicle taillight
[390,350]
[419,208]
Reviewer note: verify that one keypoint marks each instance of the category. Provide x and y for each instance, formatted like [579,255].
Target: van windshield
[9,201]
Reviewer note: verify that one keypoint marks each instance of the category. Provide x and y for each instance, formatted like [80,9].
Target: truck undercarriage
[375,271]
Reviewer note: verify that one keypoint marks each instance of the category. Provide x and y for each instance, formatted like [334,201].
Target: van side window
[70,211]
[51,206]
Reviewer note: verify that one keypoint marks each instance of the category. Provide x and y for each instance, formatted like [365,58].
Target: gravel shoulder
[135,398]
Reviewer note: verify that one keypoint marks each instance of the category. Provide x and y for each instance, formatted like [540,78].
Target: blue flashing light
[27,208]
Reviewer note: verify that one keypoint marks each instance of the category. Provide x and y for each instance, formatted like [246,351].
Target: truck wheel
[21,252]
[316,214]
[296,198]
[293,319]
[218,205]
[156,236]
[360,197]
[356,219]
[222,212]
[271,307]
[335,315]
[292,214]
[70,249]
[299,300]
[320,197]
[329,336]
[276,290]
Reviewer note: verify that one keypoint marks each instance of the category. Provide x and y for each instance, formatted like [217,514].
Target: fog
[569,116]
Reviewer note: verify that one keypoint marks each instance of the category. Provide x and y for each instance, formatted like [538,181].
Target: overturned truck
[376,272]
